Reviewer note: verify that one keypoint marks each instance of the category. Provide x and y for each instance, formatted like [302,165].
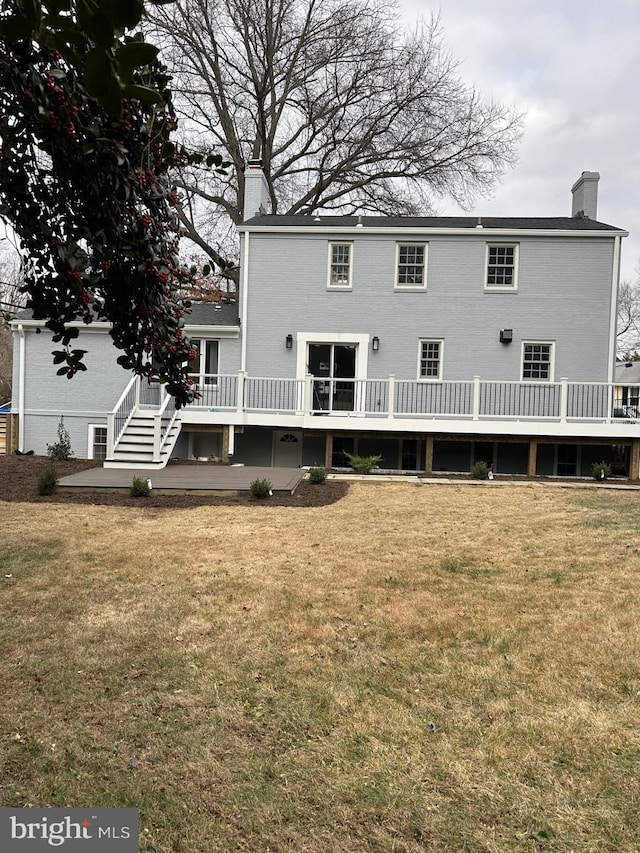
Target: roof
[200,314]
[507,223]
[628,372]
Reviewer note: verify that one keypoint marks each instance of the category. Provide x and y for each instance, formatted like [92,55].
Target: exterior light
[506,336]
[289,341]
[375,343]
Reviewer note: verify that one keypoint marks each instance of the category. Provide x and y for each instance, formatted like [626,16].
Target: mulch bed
[19,482]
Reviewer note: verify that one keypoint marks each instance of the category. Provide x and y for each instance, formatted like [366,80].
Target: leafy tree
[86,117]
[347,111]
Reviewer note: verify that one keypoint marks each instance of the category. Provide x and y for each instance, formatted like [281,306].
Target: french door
[334,366]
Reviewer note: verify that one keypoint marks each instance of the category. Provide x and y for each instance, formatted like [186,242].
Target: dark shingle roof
[510,223]
[200,314]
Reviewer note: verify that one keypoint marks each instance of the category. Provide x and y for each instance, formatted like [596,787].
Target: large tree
[86,166]
[628,325]
[347,110]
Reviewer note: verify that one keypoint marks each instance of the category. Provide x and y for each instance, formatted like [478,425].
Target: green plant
[363,464]
[261,488]
[61,449]
[48,481]
[480,471]
[140,488]
[601,470]
[317,475]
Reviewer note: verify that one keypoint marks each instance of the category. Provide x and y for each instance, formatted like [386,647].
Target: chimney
[256,191]
[585,195]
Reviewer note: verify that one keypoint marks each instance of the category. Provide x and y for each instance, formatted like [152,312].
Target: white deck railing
[392,398]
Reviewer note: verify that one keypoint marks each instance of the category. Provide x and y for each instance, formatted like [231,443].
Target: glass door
[334,365]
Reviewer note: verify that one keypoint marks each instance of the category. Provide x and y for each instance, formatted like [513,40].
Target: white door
[287,448]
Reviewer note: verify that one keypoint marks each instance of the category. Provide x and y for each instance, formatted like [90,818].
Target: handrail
[163,420]
[120,415]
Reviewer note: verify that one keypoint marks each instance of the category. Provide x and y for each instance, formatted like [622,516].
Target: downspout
[244,303]
[21,385]
[615,283]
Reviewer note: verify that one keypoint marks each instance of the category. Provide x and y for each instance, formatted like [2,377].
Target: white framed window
[411,266]
[97,444]
[205,367]
[430,359]
[340,265]
[537,361]
[502,266]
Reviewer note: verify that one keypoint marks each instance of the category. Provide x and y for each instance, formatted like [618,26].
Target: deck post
[240,402]
[328,451]
[157,430]
[564,397]
[391,402]
[533,457]
[428,455]
[634,462]
[476,398]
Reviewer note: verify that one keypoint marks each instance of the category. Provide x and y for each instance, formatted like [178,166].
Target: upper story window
[502,267]
[204,367]
[537,362]
[411,266]
[430,359]
[340,263]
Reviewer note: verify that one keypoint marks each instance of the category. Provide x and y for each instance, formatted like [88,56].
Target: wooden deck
[187,479]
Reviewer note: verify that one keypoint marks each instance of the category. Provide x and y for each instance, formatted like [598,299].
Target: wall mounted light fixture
[289,341]
[506,336]
[375,343]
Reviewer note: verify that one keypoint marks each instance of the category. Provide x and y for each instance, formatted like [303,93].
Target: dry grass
[445,668]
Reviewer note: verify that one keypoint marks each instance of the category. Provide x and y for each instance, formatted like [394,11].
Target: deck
[187,479]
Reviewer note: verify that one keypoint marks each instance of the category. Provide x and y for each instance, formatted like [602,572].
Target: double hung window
[340,265]
[502,267]
[430,359]
[411,269]
[537,362]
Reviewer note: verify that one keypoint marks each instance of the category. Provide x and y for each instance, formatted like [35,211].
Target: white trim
[91,439]
[208,332]
[439,341]
[22,378]
[361,341]
[411,288]
[552,360]
[331,244]
[497,288]
[496,234]
[244,295]
[613,319]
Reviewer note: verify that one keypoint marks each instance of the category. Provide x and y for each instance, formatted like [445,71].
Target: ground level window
[537,361]
[98,442]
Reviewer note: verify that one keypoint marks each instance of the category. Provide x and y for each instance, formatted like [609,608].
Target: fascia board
[458,232]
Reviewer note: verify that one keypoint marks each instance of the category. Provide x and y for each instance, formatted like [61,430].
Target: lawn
[412,668]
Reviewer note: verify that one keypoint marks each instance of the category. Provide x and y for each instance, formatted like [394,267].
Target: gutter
[244,301]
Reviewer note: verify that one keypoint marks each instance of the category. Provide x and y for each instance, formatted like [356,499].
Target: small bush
[61,449]
[261,488]
[601,470]
[481,471]
[139,488]
[363,464]
[317,475]
[48,481]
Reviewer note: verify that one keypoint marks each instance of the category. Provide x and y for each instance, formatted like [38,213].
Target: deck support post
[533,457]
[328,450]
[634,462]
[428,456]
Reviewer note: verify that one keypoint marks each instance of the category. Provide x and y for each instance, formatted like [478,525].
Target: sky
[572,67]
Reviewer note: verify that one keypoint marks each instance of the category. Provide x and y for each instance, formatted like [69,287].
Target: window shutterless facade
[411,266]
[430,359]
[340,265]
[97,442]
[537,362]
[502,267]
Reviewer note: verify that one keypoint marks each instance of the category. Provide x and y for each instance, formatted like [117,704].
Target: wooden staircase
[137,447]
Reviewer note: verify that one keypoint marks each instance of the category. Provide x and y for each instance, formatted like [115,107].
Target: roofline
[417,230]
[103,326]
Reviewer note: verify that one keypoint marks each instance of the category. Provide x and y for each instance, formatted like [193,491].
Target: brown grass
[446,668]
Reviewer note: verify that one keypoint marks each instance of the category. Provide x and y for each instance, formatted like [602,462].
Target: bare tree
[347,111]
[11,300]
[628,321]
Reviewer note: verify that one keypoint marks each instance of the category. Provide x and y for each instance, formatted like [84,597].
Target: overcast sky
[572,66]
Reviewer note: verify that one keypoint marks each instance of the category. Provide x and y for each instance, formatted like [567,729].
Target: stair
[135,446]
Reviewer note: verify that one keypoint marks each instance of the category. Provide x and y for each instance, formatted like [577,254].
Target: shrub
[481,471]
[601,470]
[362,464]
[317,475]
[48,481]
[61,449]
[261,488]
[140,488]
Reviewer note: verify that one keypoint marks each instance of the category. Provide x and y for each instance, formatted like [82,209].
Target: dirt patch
[19,482]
